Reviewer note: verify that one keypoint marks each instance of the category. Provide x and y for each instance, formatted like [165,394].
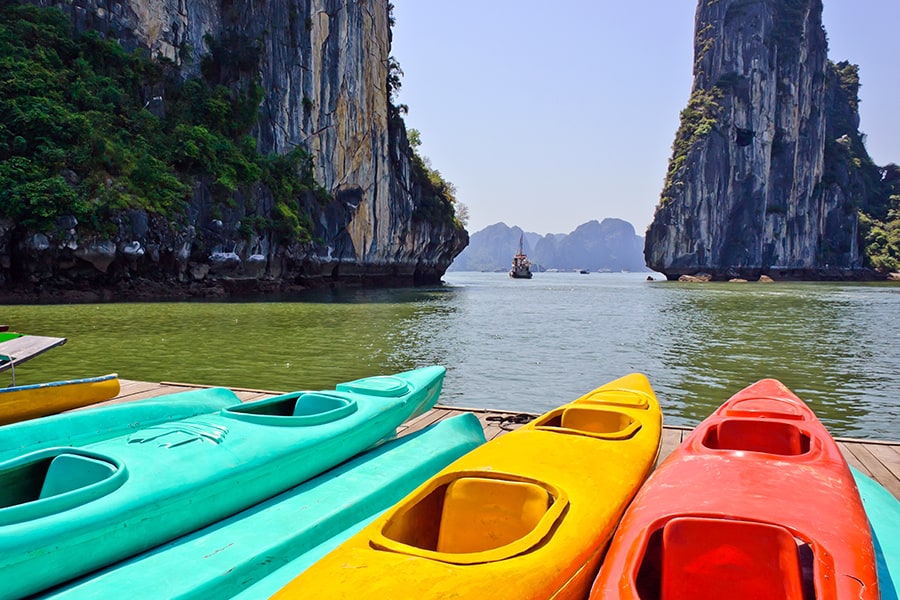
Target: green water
[525,345]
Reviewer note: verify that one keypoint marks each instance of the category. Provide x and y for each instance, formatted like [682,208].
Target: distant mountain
[610,245]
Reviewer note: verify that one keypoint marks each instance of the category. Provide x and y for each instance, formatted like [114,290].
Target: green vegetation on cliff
[697,121]
[874,190]
[88,129]
[437,202]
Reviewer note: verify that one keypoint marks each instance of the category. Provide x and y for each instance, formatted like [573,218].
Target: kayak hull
[883,512]
[68,511]
[259,550]
[760,478]
[526,515]
[30,401]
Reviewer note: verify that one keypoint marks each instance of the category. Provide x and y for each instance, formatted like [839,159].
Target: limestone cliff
[324,69]
[761,180]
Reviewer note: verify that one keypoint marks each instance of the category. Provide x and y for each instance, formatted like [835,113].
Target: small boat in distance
[521,266]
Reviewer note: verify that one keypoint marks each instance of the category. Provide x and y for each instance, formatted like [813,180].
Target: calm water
[512,344]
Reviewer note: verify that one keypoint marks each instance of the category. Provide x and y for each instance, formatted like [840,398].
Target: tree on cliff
[87,129]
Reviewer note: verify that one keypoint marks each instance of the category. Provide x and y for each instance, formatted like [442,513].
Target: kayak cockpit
[295,409]
[701,558]
[316,408]
[55,480]
[757,435]
[589,421]
[473,517]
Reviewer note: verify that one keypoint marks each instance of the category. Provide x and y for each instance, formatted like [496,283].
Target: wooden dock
[23,348]
[880,460]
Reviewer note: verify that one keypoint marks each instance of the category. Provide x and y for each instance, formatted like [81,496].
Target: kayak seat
[68,472]
[711,559]
[295,409]
[758,435]
[590,420]
[604,423]
[483,514]
[317,404]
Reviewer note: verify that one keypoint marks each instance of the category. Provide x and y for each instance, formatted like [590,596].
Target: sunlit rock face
[758,190]
[323,68]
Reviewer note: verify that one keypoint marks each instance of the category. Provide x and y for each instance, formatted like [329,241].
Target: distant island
[608,245]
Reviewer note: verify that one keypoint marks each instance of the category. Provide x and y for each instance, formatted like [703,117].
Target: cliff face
[757,183]
[324,69]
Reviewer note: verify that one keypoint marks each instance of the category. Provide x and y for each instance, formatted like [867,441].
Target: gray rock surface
[751,194]
[324,68]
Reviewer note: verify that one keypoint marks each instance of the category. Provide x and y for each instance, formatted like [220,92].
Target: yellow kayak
[30,401]
[527,515]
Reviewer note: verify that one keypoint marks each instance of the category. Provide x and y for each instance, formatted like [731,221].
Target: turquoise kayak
[259,550]
[883,511]
[83,427]
[67,511]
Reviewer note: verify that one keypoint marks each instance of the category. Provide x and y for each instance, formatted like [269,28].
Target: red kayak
[756,503]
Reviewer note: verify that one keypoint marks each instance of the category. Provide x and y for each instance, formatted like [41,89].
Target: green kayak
[883,511]
[67,511]
[260,549]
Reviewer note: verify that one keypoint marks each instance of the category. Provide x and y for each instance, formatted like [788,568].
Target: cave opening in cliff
[743,137]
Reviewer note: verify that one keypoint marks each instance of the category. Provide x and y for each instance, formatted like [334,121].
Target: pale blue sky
[546,114]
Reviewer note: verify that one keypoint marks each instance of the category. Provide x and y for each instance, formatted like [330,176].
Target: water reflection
[809,336]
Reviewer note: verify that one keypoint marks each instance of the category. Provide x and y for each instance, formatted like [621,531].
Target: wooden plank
[493,411]
[491,428]
[25,348]
[858,452]
[499,423]
[252,396]
[890,458]
[135,390]
[671,439]
[233,389]
[426,416]
[851,458]
[880,473]
[423,421]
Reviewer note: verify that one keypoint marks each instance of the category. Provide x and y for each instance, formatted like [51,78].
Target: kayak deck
[877,459]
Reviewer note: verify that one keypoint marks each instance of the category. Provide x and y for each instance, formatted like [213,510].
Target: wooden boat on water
[526,515]
[257,551]
[521,266]
[67,511]
[23,402]
[757,502]
[883,512]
